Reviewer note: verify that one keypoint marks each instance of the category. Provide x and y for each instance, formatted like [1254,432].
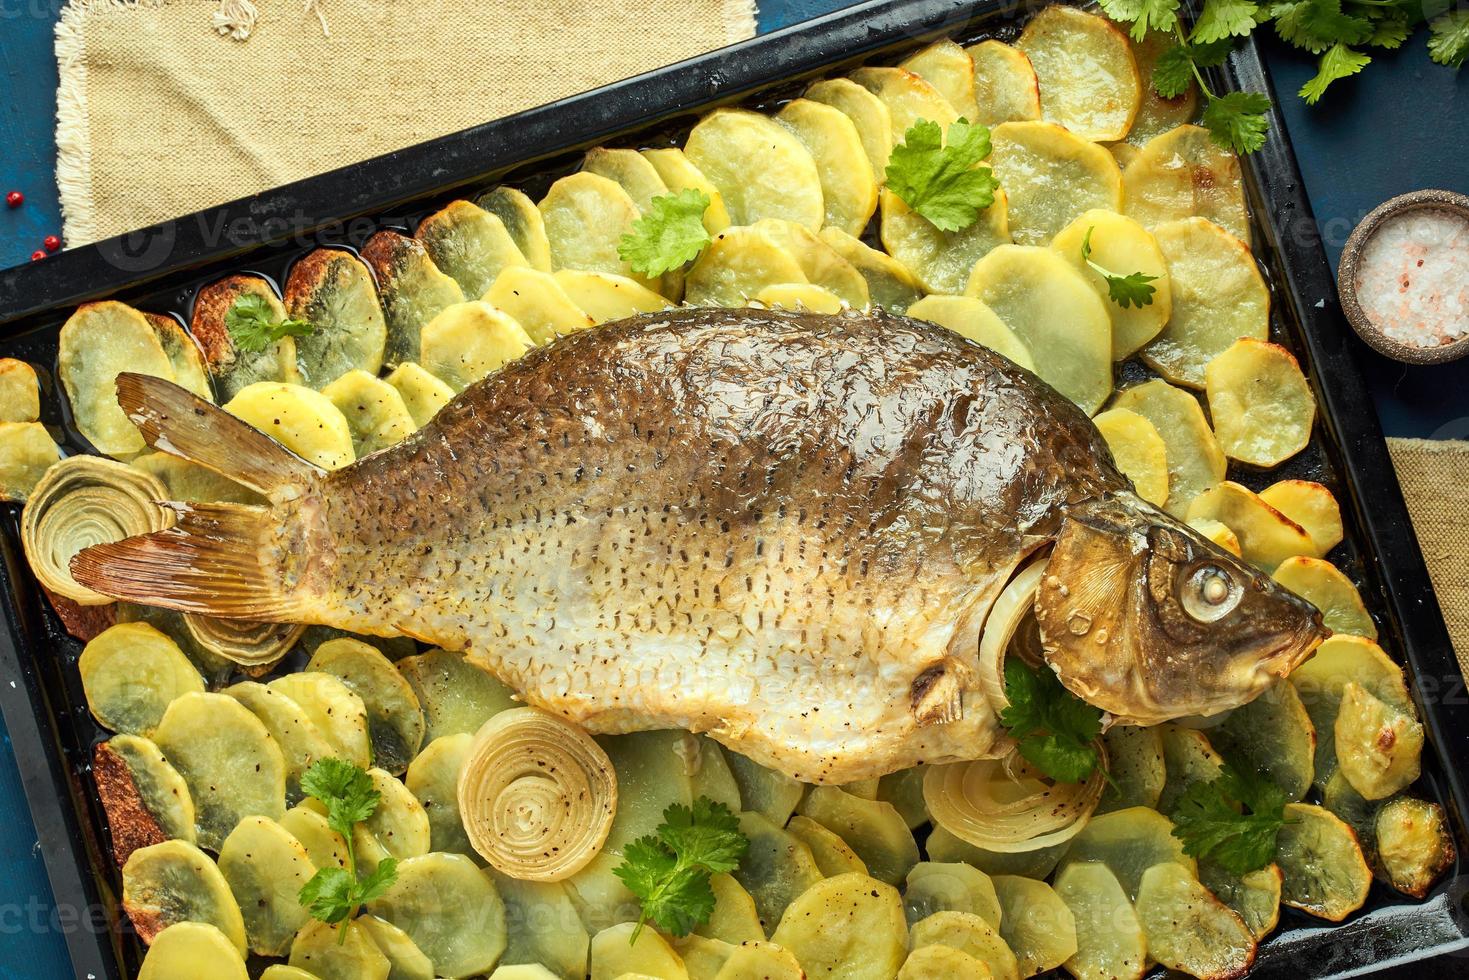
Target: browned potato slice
[1320,681]
[1267,537]
[679,174]
[948,68]
[412,289]
[761,170]
[176,882]
[1219,296]
[1261,403]
[1195,462]
[1005,86]
[1122,246]
[332,289]
[185,356]
[1217,532]
[1183,173]
[20,395]
[1414,843]
[868,113]
[232,368]
[736,265]
[848,184]
[1088,78]
[1155,114]
[1322,863]
[26,452]
[1138,450]
[908,98]
[942,260]
[1050,176]
[1378,746]
[1324,586]
[1188,929]
[970,318]
[522,221]
[1312,507]
[890,284]
[470,244]
[146,800]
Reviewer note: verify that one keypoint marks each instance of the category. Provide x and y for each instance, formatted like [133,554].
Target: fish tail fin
[176,421]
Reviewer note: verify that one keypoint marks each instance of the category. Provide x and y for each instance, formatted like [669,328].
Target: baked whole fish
[785,530]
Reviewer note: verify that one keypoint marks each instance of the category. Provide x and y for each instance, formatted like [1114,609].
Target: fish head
[1144,617]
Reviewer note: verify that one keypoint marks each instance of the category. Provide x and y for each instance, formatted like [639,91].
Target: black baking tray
[159,268]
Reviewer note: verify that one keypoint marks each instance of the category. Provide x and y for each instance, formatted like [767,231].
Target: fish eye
[1209,593]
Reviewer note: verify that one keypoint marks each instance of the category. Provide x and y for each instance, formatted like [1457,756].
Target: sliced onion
[1011,606]
[1007,805]
[83,501]
[244,641]
[536,795]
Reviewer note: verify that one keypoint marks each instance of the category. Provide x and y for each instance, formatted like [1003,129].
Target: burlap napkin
[159,114]
[1433,475]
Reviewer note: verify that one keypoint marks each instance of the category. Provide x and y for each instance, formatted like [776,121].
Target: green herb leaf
[328,895]
[1237,120]
[1053,728]
[1223,19]
[943,182]
[335,894]
[1143,15]
[376,882]
[253,325]
[1173,72]
[669,873]
[1316,25]
[345,789]
[1232,820]
[1339,61]
[1131,289]
[1448,42]
[669,234]
[1391,31]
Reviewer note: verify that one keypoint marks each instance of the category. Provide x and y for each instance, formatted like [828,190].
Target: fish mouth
[1296,648]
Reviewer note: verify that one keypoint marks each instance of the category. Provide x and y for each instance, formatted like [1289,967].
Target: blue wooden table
[1401,125]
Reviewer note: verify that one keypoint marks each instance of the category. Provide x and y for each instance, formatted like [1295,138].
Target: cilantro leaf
[1237,120]
[1339,61]
[1053,728]
[335,894]
[1390,31]
[328,895]
[1318,24]
[670,233]
[253,326]
[376,882]
[1448,42]
[1132,288]
[708,834]
[1173,72]
[345,789]
[943,182]
[1143,15]
[1233,820]
[1223,19]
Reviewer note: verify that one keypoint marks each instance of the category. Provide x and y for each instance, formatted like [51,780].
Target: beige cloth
[1435,479]
[160,115]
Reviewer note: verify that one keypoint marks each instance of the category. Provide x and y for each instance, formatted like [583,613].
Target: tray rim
[44,292]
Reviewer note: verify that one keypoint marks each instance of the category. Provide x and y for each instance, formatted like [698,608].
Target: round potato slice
[26,453]
[775,870]
[1050,176]
[469,244]
[536,301]
[586,216]
[1129,842]
[607,296]
[971,935]
[422,393]
[1122,247]
[935,886]
[333,290]
[908,98]
[970,318]
[1272,735]
[799,296]
[375,412]
[761,170]
[456,694]
[848,184]
[873,829]
[300,741]
[405,959]
[1183,173]
[146,799]
[325,847]
[1324,586]
[1322,864]
[1155,114]
[1261,403]
[1217,532]
[1188,758]
[1218,297]
[543,926]
[1005,86]
[398,828]
[679,174]
[1050,307]
[1195,461]
[98,342]
[395,723]
[130,674]
[1138,450]
[1322,680]
[433,778]
[820,264]
[942,260]
[947,67]
[1378,747]
[849,926]
[1312,507]
[1188,929]
[333,708]
[410,287]
[1266,536]
[176,882]
[304,421]
[325,951]
[868,113]
[736,265]
[450,910]
[1035,923]
[1088,78]
[186,950]
[1109,937]
[630,170]
[20,393]
[625,951]
[523,223]
[890,285]
[266,869]
[470,341]
[1254,897]
[1135,763]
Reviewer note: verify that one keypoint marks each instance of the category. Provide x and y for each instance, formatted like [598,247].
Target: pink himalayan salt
[1413,277]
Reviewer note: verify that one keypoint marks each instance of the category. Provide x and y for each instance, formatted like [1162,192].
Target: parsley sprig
[669,872]
[334,894]
[669,234]
[253,325]
[1232,820]
[1131,289]
[940,179]
[1054,730]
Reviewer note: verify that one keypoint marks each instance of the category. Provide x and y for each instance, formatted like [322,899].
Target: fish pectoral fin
[937,694]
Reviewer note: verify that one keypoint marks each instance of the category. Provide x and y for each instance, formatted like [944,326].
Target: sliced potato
[325,952]
[1005,86]
[1312,507]
[98,342]
[1035,923]
[904,790]
[232,368]
[760,961]
[1254,897]
[395,724]
[767,792]
[1322,680]
[422,393]
[20,393]
[304,421]
[1272,735]
[1378,746]
[1122,246]
[398,828]
[606,296]
[1261,403]
[537,302]
[333,708]
[266,869]
[333,290]
[736,265]
[26,452]
[868,113]
[1109,938]
[1129,842]
[1266,536]
[1138,450]
[450,910]
[833,856]
[232,766]
[775,870]
[176,882]
[185,356]
[1088,78]
[433,777]
[820,264]
[849,926]
[1051,175]
[1188,758]
[189,481]
[971,318]
[945,847]
[761,170]
[1155,114]
[1123,153]
[848,184]
[1325,874]
[1218,297]
[1217,532]
[405,959]
[186,950]
[300,741]
[1414,844]
[623,950]
[1135,762]
[942,260]
[470,341]
[735,918]
[411,288]
[679,174]
[130,674]
[909,99]
[456,694]
[934,886]
[1183,173]
[1195,461]
[374,410]
[542,927]
[1324,586]
[1188,929]
[949,69]
[325,847]
[146,800]
[799,296]
[1051,308]
[890,285]
[523,223]
[586,216]
[629,170]
[971,935]
[469,244]
[873,829]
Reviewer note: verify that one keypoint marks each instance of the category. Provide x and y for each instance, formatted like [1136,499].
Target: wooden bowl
[1346,277]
